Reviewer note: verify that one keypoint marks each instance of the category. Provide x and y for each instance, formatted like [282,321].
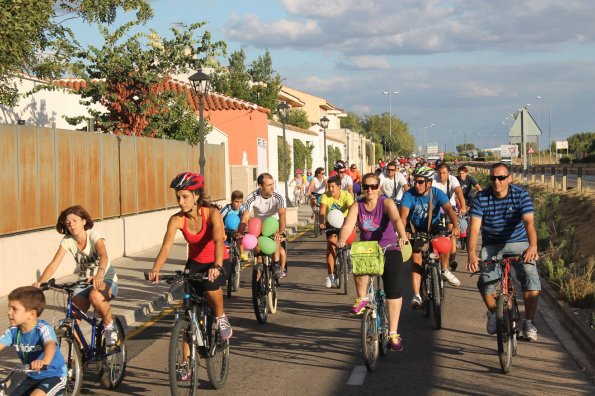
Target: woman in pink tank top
[202,227]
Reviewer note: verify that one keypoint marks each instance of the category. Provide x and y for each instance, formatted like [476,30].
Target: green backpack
[367,258]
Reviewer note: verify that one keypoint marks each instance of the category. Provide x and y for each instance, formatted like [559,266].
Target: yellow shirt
[343,203]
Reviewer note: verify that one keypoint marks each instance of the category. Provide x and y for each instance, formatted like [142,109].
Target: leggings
[393,268]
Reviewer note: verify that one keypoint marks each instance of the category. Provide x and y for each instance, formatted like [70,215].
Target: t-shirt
[448,187]
[342,203]
[346,181]
[88,258]
[29,347]
[502,219]
[264,207]
[418,207]
[393,188]
[467,186]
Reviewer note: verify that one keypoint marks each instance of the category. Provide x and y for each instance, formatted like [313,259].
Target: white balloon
[335,218]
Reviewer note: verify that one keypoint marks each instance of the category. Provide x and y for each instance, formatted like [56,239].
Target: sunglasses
[501,177]
[419,182]
[370,186]
[342,171]
[391,170]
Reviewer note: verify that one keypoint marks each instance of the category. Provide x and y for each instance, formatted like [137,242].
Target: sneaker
[244,257]
[111,335]
[450,278]
[416,302]
[395,342]
[329,281]
[359,306]
[183,373]
[491,322]
[225,331]
[285,272]
[278,271]
[529,331]
[336,284]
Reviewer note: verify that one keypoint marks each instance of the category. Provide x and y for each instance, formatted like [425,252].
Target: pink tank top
[201,247]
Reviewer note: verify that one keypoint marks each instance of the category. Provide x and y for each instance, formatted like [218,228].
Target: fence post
[565,179]
[579,178]
[553,178]
[543,174]
[532,174]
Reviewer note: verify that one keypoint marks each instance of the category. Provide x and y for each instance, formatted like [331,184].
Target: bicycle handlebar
[505,260]
[21,369]
[68,286]
[181,276]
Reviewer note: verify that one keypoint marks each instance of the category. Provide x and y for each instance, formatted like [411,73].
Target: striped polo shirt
[502,219]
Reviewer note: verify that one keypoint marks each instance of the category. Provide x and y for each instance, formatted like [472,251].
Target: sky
[461,67]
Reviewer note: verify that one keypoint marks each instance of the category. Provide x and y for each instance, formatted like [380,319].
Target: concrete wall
[24,257]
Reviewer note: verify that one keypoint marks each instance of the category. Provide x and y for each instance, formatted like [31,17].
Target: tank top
[201,247]
[375,225]
[319,186]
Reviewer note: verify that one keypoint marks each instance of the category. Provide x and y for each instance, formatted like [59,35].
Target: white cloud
[364,62]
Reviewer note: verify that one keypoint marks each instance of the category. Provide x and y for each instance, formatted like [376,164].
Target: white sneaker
[450,278]
[529,331]
[416,302]
[329,281]
[111,335]
[491,322]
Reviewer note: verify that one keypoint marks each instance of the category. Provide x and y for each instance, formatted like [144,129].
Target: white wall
[217,136]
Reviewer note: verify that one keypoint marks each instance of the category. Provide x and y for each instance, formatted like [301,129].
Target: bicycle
[297,196]
[343,265]
[508,317]
[194,336]
[432,284]
[316,211]
[78,353]
[374,327]
[264,288]
[20,369]
[233,279]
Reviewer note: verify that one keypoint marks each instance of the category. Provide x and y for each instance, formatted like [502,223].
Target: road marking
[151,322]
[358,375]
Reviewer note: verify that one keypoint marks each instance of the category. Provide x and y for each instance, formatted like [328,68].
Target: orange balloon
[351,238]
[441,245]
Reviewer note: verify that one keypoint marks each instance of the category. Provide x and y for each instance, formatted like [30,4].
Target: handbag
[367,258]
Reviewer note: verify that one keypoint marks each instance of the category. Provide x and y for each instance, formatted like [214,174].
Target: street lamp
[283,109]
[324,124]
[426,139]
[201,84]
[347,148]
[549,128]
[390,114]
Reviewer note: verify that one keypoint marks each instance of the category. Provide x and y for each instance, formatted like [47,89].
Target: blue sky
[463,65]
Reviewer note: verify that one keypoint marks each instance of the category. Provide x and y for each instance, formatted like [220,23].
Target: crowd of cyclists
[401,197]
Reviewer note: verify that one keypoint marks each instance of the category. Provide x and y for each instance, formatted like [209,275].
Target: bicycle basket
[420,244]
[367,258]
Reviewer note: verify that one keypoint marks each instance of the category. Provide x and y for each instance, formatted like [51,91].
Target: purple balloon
[249,241]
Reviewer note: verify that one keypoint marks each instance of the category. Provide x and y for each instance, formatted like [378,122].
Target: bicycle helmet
[424,171]
[339,165]
[187,181]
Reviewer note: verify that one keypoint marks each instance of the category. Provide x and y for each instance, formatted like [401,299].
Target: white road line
[358,375]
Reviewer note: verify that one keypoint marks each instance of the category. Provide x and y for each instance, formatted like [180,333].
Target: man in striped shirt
[505,215]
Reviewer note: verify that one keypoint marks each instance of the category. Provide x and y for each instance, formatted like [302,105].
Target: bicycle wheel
[504,333]
[74,363]
[316,224]
[516,326]
[345,271]
[183,362]
[236,274]
[259,296]
[436,298]
[425,292]
[382,323]
[113,364]
[272,295]
[218,360]
[369,340]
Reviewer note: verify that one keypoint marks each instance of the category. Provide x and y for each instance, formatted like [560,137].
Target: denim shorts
[84,291]
[525,273]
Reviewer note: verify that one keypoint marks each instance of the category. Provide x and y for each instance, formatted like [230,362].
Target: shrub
[557,272]
[579,289]
[565,160]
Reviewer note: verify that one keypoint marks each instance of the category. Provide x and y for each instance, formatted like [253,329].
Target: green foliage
[557,272]
[300,155]
[392,134]
[283,165]
[309,150]
[298,118]
[353,122]
[333,154]
[582,143]
[579,289]
[565,160]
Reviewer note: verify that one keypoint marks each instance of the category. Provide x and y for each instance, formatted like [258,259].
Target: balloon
[406,251]
[254,226]
[356,188]
[249,241]
[335,218]
[441,244]
[351,238]
[231,221]
[266,245]
[270,225]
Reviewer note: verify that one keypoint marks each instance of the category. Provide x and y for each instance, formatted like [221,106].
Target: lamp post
[347,148]
[324,124]
[201,84]
[426,140]
[390,114]
[549,128]
[283,108]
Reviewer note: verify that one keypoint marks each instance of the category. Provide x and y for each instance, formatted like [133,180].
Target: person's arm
[390,208]
[243,222]
[52,266]
[472,238]
[310,187]
[49,350]
[322,214]
[282,220]
[450,212]
[103,261]
[478,187]
[168,240]
[531,252]
[348,225]
[216,223]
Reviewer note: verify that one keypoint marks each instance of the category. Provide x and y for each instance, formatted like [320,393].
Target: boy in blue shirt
[234,209]
[35,342]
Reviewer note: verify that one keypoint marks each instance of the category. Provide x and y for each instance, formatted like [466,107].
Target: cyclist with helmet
[200,223]
[346,180]
[415,210]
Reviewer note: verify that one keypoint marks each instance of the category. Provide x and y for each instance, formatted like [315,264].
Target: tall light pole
[283,109]
[390,115]
[549,128]
[426,140]
[347,148]
[324,124]
[201,84]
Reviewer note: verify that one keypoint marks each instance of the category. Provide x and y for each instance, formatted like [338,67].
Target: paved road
[311,347]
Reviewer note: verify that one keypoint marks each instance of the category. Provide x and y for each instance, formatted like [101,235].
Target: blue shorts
[84,291]
[50,385]
[525,273]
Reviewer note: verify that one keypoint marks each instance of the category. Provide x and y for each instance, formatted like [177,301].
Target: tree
[464,148]
[393,135]
[300,154]
[236,80]
[34,40]
[298,118]
[582,143]
[283,166]
[352,122]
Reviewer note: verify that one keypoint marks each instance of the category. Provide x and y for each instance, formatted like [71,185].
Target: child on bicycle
[234,208]
[35,342]
[89,251]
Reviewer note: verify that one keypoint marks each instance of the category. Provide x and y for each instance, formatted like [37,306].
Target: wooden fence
[44,170]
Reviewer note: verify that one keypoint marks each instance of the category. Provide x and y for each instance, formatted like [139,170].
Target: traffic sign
[531,151]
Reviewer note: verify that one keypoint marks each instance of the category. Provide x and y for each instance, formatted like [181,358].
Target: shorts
[51,386]
[197,268]
[525,273]
[84,291]
[318,197]
[393,270]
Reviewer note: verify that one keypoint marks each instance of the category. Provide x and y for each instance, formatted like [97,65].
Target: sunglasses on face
[342,171]
[501,177]
[391,170]
[418,182]
[370,186]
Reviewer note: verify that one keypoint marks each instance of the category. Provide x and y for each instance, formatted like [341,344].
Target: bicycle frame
[195,306]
